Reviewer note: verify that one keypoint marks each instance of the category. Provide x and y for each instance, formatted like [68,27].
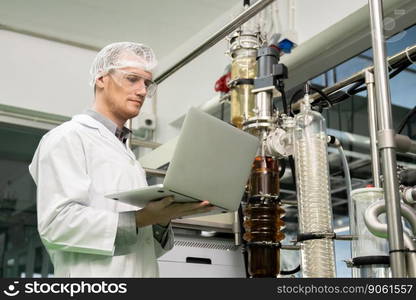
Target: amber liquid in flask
[262,219]
[263,224]
[264,179]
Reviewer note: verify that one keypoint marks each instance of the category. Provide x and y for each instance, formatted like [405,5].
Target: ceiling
[164,25]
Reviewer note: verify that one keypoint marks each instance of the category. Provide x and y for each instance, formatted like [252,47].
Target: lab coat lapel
[91,122]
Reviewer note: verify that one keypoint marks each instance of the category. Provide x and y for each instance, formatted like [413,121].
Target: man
[86,158]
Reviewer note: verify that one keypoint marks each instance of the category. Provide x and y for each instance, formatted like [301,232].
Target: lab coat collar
[104,131]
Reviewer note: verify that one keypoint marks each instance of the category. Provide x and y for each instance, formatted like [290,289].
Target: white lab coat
[75,165]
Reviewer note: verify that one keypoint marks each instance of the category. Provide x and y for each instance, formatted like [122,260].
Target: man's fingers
[192,206]
[197,211]
[177,210]
[167,201]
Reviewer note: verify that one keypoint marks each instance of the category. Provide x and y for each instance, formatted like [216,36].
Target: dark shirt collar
[122,134]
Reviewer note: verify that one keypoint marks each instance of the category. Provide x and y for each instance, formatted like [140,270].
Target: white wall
[43,75]
[191,86]
[315,16]
[51,77]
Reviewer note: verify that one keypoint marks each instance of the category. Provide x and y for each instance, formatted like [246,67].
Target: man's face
[124,91]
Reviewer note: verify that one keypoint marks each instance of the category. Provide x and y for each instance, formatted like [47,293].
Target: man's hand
[162,211]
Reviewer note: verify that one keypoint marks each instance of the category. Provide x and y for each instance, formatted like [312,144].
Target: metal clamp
[266,197]
[265,244]
[264,89]
[290,247]
[369,77]
[386,139]
[240,81]
[408,56]
[256,123]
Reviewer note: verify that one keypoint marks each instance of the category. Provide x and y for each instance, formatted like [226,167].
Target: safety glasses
[131,80]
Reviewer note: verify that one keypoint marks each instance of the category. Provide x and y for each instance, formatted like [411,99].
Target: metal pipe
[237,229]
[391,61]
[350,139]
[264,105]
[386,141]
[361,156]
[404,144]
[216,37]
[372,125]
[409,195]
[349,36]
[369,58]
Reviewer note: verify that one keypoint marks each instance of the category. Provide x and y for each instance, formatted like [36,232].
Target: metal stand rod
[216,37]
[372,125]
[386,141]
[237,229]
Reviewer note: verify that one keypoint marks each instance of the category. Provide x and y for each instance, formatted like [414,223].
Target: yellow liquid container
[242,100]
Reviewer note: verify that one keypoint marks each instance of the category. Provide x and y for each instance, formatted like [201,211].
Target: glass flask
[366,243]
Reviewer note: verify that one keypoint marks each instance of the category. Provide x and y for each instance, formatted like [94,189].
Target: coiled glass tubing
[314,200]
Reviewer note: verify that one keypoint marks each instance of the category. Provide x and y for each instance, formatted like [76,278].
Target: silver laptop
[212,161]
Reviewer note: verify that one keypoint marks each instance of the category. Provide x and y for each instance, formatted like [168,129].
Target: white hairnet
[121,55]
